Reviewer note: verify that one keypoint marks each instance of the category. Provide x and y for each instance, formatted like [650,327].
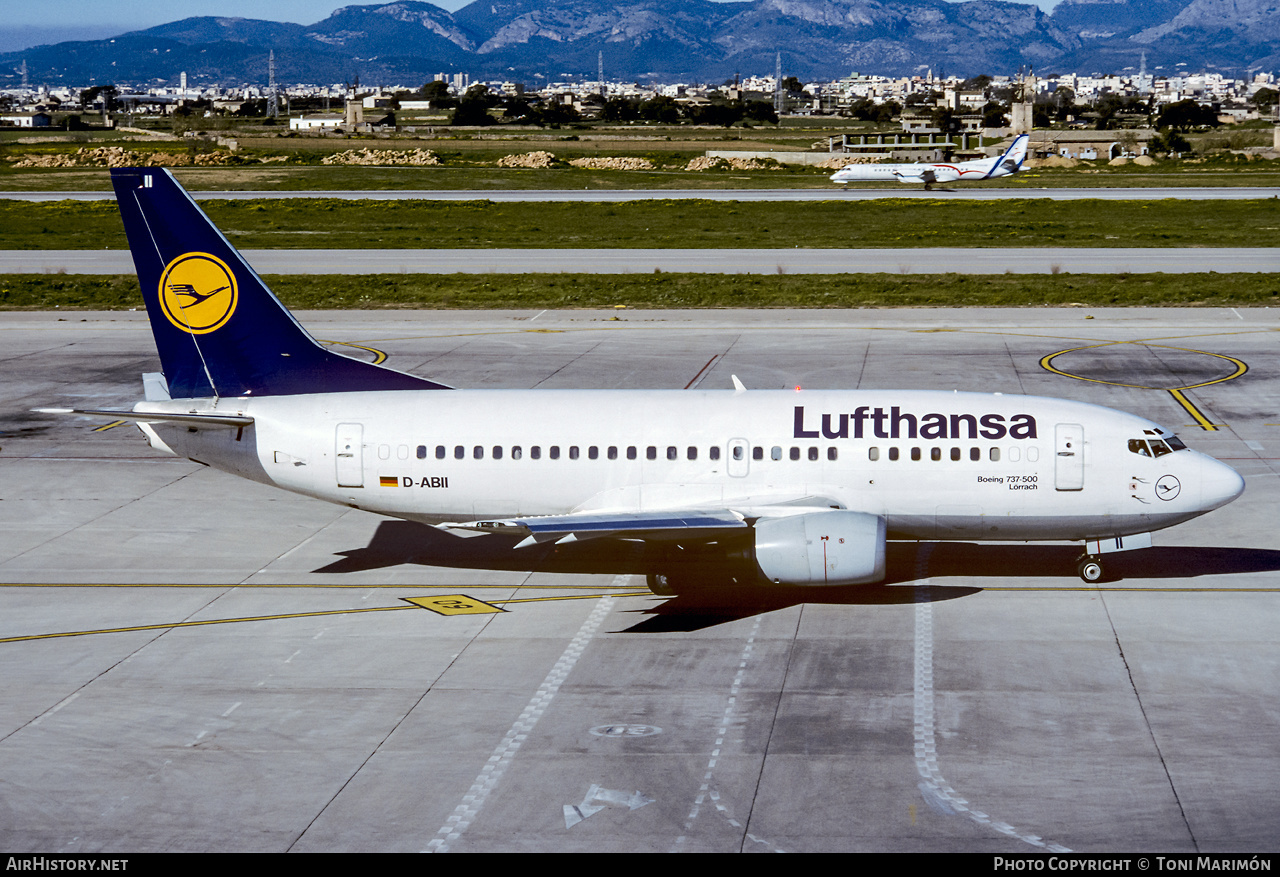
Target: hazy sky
[27,23]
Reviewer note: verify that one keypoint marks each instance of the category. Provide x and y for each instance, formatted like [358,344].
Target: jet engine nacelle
[822,548]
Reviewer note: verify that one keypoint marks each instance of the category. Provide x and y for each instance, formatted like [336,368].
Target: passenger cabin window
[535,452]
[440,452]
[459,452]
[757,453]
[478,452]
[554,452]
[775,453]
[573,452]
[516,452]
[422,452]
[497,452]
[714,452]
[593,453]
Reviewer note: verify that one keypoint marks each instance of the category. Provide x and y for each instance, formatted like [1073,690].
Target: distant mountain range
[534,41]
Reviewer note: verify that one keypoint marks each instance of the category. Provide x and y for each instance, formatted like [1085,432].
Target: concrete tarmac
[193,662]
[917,260]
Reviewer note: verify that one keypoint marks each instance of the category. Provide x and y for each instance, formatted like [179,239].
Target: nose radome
[1219,483]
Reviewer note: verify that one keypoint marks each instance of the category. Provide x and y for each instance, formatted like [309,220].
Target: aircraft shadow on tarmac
[401,542]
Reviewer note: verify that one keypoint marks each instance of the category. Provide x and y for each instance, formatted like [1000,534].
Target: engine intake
[822,548]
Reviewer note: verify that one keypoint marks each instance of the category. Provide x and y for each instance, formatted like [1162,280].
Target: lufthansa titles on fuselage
[894,423]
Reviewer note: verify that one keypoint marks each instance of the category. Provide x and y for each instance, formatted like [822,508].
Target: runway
[193,662]
[832,193]
[921,260]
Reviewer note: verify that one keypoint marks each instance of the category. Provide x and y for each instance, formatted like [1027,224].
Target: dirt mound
[614,163]
[528,159]
[384,157]
[117,156]
[738,164]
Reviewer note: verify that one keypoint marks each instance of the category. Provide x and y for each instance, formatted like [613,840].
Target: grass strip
[891,223]
[480,292]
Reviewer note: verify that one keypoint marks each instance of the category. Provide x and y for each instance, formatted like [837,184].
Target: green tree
[471,112]
[554,114]
[760,111]
[661,109]
[1265,100]
[1185,115]
[620,109]
[994,114]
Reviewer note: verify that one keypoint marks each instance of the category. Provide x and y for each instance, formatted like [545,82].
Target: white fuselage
[933,464]
[939,172]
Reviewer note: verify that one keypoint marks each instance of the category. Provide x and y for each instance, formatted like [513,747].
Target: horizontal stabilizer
[205,420]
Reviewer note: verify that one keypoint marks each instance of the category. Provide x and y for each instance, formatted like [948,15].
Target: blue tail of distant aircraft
[1014,156]
[219,330]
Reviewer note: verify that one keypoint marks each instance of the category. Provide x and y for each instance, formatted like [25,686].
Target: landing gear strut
[1090,569]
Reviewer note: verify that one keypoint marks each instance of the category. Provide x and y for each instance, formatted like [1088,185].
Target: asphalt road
[924,260]
[195,662]
[611,195]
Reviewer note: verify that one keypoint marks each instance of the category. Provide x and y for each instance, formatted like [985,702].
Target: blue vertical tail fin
[218,328]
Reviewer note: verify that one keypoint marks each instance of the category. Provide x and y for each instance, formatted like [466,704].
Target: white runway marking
[935,789]
[708,790]
[500,760]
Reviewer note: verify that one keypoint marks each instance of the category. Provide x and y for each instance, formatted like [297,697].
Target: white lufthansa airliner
[942,172]
[786,487]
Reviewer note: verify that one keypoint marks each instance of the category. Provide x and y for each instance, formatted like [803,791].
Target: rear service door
[349,454]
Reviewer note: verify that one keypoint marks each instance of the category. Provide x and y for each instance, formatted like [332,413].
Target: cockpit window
[1155,447]
[1139,447]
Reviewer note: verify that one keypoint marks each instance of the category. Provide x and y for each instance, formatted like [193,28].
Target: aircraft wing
[665,524]
[917,175]
[208,421]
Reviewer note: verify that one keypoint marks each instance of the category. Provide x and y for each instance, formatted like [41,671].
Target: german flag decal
[388,481]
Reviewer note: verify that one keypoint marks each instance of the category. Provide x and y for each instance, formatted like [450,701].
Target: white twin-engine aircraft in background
[941,172]
[783,487]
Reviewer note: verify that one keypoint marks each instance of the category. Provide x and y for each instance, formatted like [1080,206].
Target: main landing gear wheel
[1090,569]
[660,583]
